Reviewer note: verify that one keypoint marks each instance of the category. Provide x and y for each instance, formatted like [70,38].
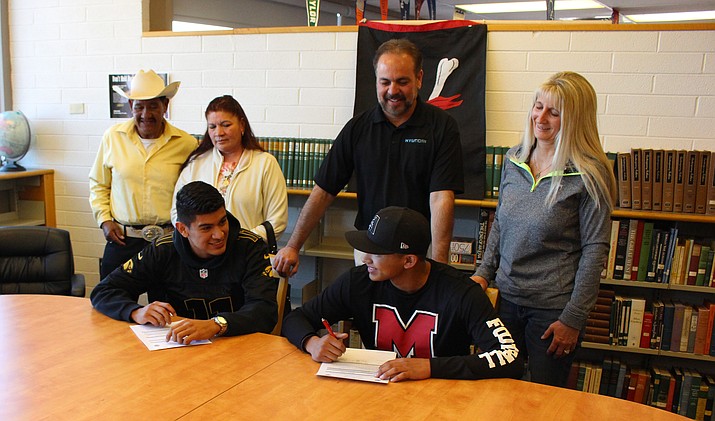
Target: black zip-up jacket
[236,285]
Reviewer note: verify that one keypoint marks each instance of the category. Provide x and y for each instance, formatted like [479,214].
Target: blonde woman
[550,236]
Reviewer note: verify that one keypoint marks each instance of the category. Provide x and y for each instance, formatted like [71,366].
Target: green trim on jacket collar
[569,170]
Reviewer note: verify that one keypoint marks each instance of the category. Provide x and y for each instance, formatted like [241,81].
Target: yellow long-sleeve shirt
[131,185]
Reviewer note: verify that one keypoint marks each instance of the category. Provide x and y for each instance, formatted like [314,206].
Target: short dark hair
[197,198]
[399,46]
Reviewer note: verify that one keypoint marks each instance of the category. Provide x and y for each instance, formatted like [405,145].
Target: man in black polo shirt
[403,152]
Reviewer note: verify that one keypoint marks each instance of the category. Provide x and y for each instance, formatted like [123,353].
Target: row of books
[494,159]
[470,251]
[641,252]
[679,390]
[667,326]
[666,180]
[648,179]
[299,158]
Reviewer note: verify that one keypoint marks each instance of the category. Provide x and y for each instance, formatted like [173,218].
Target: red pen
[330,329]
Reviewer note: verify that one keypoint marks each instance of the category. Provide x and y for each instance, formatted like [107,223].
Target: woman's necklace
[538,174]
[535,169]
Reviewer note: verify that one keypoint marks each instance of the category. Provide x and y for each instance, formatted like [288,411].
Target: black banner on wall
[454,54]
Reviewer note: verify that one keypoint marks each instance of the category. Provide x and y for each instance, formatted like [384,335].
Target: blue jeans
[526,325]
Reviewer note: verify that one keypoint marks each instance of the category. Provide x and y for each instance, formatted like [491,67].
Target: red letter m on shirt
[413,339]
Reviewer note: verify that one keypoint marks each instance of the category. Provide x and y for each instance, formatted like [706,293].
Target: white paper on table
[357,364]
[154,337]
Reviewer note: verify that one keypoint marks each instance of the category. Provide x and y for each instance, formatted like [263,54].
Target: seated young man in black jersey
[210,272]
[426,311]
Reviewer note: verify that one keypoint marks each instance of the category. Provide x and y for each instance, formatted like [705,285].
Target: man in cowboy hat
[132,180]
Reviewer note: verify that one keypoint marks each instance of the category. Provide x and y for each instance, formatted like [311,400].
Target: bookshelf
[27,198]
[700,227]
[661,356]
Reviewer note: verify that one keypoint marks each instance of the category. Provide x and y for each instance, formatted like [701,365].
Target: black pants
[115,255]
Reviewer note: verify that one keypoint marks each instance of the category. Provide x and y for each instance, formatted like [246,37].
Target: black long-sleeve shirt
[236,285]
[440,322]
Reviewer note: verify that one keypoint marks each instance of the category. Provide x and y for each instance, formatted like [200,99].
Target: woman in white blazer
[230,158]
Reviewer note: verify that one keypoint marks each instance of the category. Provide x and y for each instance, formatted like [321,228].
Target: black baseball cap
[393,230]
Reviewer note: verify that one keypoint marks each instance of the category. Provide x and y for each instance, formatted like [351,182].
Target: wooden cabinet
[28,197]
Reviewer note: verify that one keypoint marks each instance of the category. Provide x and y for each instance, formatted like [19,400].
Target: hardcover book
[496,178]
[701,330]
[663,249]
[681,172]
[489,172]
[630,248]
[693,264]
[711,329]
[645,251]
[631,394]
[624,179]
[646,179]
[685,329]
[690,184]
[701,187]
[668,179]
[667,335]
[654,392]
[710,203]
[678,320]
[606,370]
[670,254]
[636,161]
[621,248]
[657,330]
[702,266]
[657,176]
[642,386]
[692,329]
[646,330]
[611,261]
[635,324]
[637,250]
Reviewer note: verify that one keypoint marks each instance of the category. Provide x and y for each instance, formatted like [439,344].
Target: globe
[14,139]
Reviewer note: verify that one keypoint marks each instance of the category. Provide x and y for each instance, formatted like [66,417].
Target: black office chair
[38,260]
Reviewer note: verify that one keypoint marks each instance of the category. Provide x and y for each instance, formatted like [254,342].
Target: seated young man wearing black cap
[427,312]
[210,271]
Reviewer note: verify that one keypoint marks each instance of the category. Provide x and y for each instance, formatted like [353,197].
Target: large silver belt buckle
[151,232]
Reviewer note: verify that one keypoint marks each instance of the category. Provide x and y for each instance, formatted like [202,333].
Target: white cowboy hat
[148,85]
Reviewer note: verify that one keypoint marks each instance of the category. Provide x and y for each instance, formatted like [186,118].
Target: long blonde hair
[577,143]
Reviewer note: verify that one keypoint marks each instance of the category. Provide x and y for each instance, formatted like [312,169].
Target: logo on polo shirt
[421,141]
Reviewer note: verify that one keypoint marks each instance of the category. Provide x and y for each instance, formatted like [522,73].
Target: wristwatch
[222,324]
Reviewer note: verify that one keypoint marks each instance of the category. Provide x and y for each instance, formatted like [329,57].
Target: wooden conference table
[60,359]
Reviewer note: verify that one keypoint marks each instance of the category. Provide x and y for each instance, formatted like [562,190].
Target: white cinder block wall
[655,88]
